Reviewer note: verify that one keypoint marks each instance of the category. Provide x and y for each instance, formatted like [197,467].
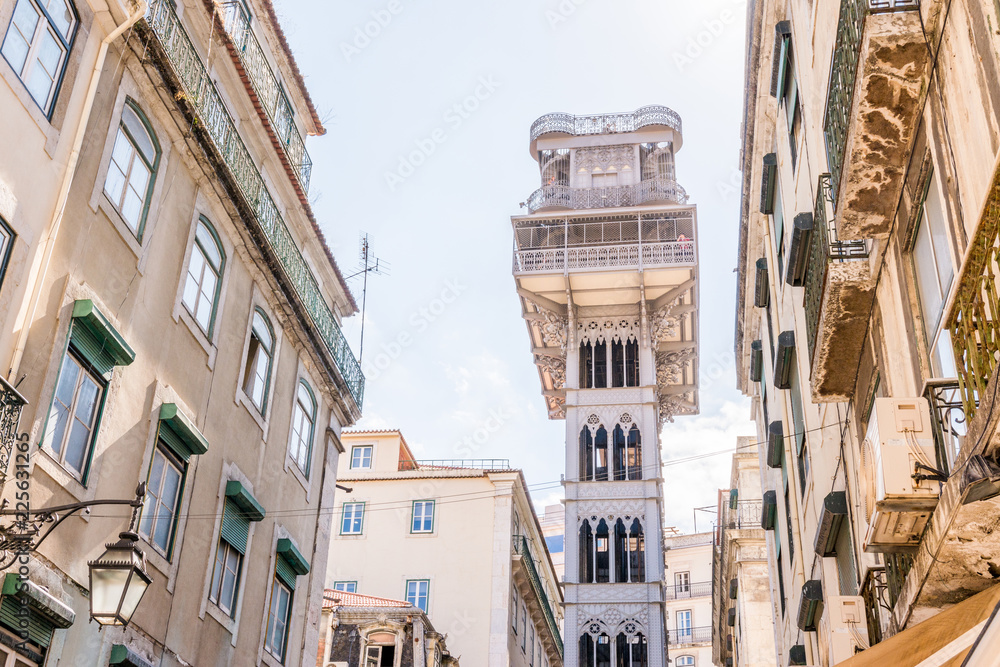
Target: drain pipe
[40,266]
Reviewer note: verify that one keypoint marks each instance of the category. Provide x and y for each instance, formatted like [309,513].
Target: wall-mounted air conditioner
[898,453]
[845,620]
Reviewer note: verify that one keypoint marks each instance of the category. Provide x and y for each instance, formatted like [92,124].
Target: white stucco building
[688,560]
[605,264]
[457,538]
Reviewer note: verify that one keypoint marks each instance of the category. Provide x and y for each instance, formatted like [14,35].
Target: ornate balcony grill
[686,636]
[11,404]
[199,90]
[843,73]
[873,590]
[268,90]
[521,549]
[582,243]
[824,249]
[698,589]
[654,189]
[897,566]
[950,423]
[745,516]
[973,318]
[606,123]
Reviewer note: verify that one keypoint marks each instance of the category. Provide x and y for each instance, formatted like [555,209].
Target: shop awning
[940,641]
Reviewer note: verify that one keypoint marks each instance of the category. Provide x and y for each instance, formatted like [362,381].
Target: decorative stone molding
[672,405]
[553,327]
[597,619]
[607,329]
[616,396]
[663,324]
[605,157]
[626,510]
[557,407]
[617,489]
[555,367]
[610,416]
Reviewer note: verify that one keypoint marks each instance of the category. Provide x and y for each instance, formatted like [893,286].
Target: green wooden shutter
[93,336]
[285,572]
[39,628]
[92,349]
[235,527]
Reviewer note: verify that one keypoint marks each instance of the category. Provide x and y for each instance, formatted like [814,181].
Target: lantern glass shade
[118,580]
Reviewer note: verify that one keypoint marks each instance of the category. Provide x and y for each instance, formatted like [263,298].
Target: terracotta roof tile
[333,599]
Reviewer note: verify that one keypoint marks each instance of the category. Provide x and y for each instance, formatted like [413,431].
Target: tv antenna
[369,263]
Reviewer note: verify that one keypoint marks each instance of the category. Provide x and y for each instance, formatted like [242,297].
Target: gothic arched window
[595,651]
[630,566]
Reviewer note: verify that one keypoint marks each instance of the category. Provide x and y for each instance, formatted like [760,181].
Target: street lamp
[117,581]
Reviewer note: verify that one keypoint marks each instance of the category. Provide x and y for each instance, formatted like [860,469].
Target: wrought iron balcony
[609,123]
[562,244]
[214,122]
[950,423]
[881,54]
[521,549]
[839,289]
[746,516]
[698,589]
[11,404]
[973,321]
[269,93]
[563,196]
[687,636]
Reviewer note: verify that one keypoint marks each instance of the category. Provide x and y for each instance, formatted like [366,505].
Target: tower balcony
[655,190]
[839,290]
[879,72]
[654,115]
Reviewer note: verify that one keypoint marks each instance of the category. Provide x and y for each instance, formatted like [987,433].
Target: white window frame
[423,517]
[303,427]
[92,427]
[346,586]
[217,584]
[201,263]
[154,510]
[350,512]
[44,26]
[278,588]
[360,449]
[415,598]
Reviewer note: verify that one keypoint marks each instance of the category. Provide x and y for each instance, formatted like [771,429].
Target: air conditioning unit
[898,446]
[848,627]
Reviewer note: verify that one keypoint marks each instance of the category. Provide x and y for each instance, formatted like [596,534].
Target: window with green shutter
[239,509]
[23,599]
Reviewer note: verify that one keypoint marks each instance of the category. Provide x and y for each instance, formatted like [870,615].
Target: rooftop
[332,598]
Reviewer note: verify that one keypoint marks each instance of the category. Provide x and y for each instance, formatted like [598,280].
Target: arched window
[595,552]
[631,651]
[601,455]
[260,354]
[630,566]
[586,573]
[303,427]
[555,167]
[204,277]
[594,455]
[593,365]
[132,171]
[685,661]
[636,552]
[621,468]
[633,454]
[657,160]
[625,363]
[380,650]
[595,651]
[37,44]
[586,455]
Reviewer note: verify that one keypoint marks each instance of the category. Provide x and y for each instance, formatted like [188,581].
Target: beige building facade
[688,609]
[866,317]
[457,538]
[172,317]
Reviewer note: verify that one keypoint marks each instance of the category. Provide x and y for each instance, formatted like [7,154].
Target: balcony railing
[950,423]
[477,464]
[686,636]
[212,115]
[604,257]
[973,322]
[11,404]
[825,249]
[698,589]
[843,74]
[745,516]
[521,549]
[268,90]
[652,190]
[612,123]
[897,566]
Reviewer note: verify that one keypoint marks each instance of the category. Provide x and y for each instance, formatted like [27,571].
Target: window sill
[432,533]
[225,620]
[211,351]
[244,400]
[65,479]
[268,659]
[350,536]
[124,231]
[292,467]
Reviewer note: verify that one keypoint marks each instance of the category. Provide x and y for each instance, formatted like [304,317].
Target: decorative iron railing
[843,74]
[591,230]
[521,549]
[11,403]
[604,257]
[212,114]
[477,464]
[745,515]
[652,190]
[873,591]
[973,323]
[265,84]
[698,589]
[685,636]
[825,248]
[897,566]
[610,123]
[950,424]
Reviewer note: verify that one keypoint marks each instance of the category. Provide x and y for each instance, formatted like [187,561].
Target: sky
[427,108]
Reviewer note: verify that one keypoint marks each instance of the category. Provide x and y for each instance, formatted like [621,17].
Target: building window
[132,171]
[684,625]
[625,363]
[383,655]
[361,457]
[303,426]
[204,277]
[278,615]
[36,45]
[604,180]
[417,591]
[75,413]
[934,270]
[595,553]
[513,609]
[6,243]
[555,543]
[260,353]
[346,586]
[685,661]
[531,644]
[778,224]
[628,453]
[163,494]
[630,552]
[594,455]
[423,517]
[524,627]
[226,577]
[353,519]
[595,651]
